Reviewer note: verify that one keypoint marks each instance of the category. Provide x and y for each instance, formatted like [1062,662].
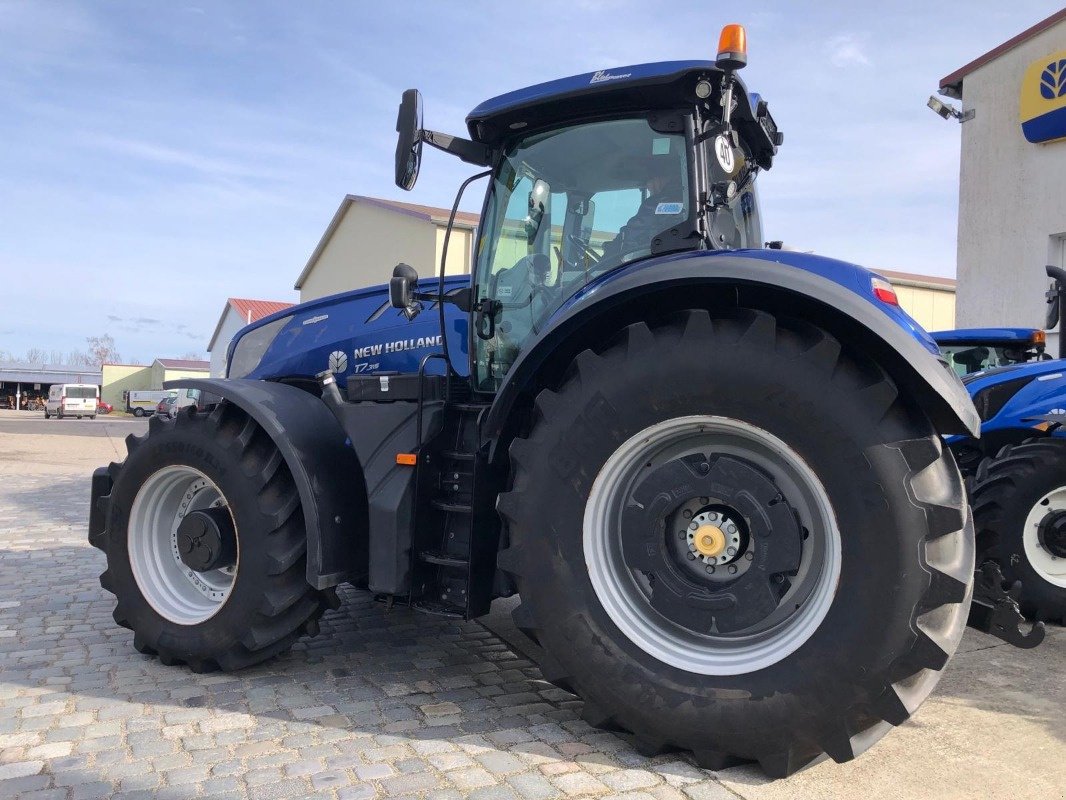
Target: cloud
[848,50]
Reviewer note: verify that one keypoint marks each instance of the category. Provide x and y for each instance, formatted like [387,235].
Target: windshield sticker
[660,146]
[602,76]
[669,208]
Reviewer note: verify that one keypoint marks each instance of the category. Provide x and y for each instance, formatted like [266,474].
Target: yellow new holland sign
[1042,108]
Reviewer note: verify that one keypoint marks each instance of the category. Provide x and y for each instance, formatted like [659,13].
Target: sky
[157,158]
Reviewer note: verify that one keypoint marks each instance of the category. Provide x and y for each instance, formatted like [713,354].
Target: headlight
[252,346]
[991,399]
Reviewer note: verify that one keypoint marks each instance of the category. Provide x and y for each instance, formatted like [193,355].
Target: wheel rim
[176,592]
[628,593]
[1043,547]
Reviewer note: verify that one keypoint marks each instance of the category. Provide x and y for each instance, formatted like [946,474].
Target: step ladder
[456,530]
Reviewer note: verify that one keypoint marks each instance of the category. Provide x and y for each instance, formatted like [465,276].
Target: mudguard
[800,289]
[327,472]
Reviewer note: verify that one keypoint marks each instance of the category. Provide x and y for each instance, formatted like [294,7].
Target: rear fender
[325,469]
[720,281]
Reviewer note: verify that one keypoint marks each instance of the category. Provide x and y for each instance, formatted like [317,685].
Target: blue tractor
[713,471]
[1018,471]
[970,350]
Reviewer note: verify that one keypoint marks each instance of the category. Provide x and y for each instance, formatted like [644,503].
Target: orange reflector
[733,45]
[406,459]
[1038,337]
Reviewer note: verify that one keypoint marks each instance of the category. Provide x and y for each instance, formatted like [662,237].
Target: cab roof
[637,88]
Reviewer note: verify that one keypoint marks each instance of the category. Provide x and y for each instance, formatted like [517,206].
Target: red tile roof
[951,85]
[432,212]
[253,310]
[184,363]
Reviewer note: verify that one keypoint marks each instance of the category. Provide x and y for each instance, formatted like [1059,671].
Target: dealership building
[1012,176]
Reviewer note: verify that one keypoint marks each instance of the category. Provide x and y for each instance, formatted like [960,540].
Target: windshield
[966,359]
[81,392]
[564,207]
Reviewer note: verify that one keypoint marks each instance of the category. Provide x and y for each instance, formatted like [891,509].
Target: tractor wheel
[734,538]
[1019,510]
[205,543]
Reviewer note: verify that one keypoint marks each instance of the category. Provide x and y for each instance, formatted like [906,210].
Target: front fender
[798,290]
[326,471]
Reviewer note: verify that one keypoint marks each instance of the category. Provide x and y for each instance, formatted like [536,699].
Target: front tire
[138,412]
[1019,508]
[230,611]
[858,585]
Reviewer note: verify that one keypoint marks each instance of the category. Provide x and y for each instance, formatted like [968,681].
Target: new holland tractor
[1017,472]
[712,471]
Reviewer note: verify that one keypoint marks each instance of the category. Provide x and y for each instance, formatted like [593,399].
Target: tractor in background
[714,472]
[1017,472]
[970,350]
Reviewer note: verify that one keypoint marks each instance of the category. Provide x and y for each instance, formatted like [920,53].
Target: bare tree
[55,357]
[36,356]
[6,356]
[102,350]
[192,355]
[79,358]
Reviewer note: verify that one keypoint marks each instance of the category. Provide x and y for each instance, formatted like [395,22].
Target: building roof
[919,281]
[438,216]
[951,85]
[24,372]
[184,363]
[249,311]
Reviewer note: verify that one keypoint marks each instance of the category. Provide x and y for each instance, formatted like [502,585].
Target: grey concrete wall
[1012,196]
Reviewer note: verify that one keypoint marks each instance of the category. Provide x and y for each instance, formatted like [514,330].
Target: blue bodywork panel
[373,336]
[1040,389]
[376,338]
[990,336]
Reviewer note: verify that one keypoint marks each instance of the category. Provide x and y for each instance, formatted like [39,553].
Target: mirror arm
[468,151]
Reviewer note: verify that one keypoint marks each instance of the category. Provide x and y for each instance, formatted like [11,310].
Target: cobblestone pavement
[387,705]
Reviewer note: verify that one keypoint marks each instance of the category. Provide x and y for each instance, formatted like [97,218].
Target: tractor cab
[595,172]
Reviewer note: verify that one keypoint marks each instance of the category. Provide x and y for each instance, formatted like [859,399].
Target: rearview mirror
[408,139]
[402,290]
[539,197]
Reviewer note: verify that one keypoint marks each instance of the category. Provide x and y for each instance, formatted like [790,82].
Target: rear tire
[138,412]
[1019,508]
[268,603]
[881,633]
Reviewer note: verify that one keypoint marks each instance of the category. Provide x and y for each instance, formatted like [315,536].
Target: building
[237,313]
[1012,176]
[368,236]
[22,383]
[117,379]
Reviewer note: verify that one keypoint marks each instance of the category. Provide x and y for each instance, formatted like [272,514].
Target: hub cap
[1044,537]
[712,545]
[182,545]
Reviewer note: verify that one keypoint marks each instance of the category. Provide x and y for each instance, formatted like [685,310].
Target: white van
[143,402]
[72,400]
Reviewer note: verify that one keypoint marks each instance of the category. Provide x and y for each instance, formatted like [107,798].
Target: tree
[55,357]
[79,358]
[192,355]
[102,350]
[36,355]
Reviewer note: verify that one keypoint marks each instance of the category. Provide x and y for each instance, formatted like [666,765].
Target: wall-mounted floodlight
[947,111]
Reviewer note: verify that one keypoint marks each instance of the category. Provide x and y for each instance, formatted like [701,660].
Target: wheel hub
[206,539]
[717,542]
[1052,534]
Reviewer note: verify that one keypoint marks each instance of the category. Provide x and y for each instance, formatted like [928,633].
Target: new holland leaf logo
[1053,80]
[338,361]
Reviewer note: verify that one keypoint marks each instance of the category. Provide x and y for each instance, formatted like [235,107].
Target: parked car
[104,408]
[72,400]
[167,407]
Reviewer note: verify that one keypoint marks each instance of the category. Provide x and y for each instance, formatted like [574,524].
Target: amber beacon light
[732,47]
